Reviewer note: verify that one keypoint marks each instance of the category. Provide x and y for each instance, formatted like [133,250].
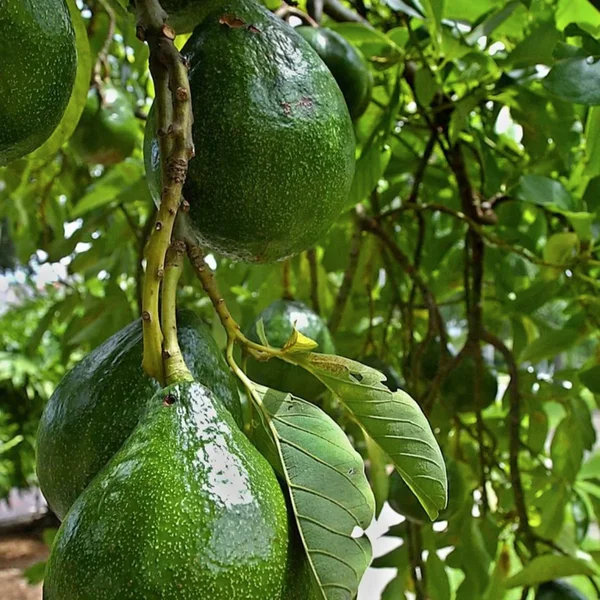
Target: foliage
[472,220]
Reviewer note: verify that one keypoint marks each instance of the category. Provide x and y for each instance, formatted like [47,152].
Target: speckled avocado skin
[273,137]
[345,63]
[99,402]
[558,590]
[38,61]
[108,130]
[186,510]
[278,319]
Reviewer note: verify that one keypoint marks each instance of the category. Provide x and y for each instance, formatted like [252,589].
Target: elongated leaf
[330,494]
[549,567]
[394,420]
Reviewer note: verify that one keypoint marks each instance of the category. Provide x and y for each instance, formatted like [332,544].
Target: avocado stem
[174,121]
[175,368]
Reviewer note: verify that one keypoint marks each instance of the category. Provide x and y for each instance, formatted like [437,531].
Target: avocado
[346,64]
[403,500]
[273,138]
[456,393]
[184,15]
[186,509]
[558,590]
[393,381]
[457,389]
[278,319]
[99,402]
[38,62]
[108,130]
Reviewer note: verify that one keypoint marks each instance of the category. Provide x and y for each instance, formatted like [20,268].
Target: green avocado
[456,393]
[273,138]
[457,389]
[187,509]
[558,590]
[393,380]
[38,62]
[278,319]
[99,402]
[108,130]
[345,63]
[184,15]
[402,499]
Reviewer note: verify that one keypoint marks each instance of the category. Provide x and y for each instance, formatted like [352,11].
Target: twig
[174,117]
[285,11]
[286,276]
[311,255]
[344,291]
[514,432]
[338,12]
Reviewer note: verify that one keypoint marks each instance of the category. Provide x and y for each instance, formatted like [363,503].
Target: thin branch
[514,433]
[338,12]
[344,291]
[311,255]
[286,279]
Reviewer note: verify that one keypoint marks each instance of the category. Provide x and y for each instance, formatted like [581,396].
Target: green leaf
[380,481]
[35,573]
[543,191]
[329,491]
[581,12]
[69,121]
[438,585]
[107,189]
[490,24]
[576,80]
[549,567]
[561,248]
[567,449]
[394,420]
[369,170]
[591,379]
[550,344]
[592,142]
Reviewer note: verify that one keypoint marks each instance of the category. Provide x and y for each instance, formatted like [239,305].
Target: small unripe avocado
[38,62]
[403,500]
[558,590]
[274,142]
[345,63]
[278,320]
[108,129]
[99,402]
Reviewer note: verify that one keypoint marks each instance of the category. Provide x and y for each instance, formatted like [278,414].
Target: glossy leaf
[331,498]
[393,420]
[549,567]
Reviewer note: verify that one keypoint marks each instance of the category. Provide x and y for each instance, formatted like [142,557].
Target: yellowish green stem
[174,364]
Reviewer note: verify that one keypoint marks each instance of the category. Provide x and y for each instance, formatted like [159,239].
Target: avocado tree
[268,267]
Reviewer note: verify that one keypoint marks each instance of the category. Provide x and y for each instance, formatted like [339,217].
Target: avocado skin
[456,393]
[38,62]
[98,403]
[558,590]
[278,319]
[108,130]
[403,500]
[187,509]
[184,15]
[273,138]
[345,63]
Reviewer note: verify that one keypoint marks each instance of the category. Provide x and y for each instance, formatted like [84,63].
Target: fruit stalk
[175,367]
[174,112]
[232,329]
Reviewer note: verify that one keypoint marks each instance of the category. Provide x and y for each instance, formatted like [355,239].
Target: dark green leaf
[575,80]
